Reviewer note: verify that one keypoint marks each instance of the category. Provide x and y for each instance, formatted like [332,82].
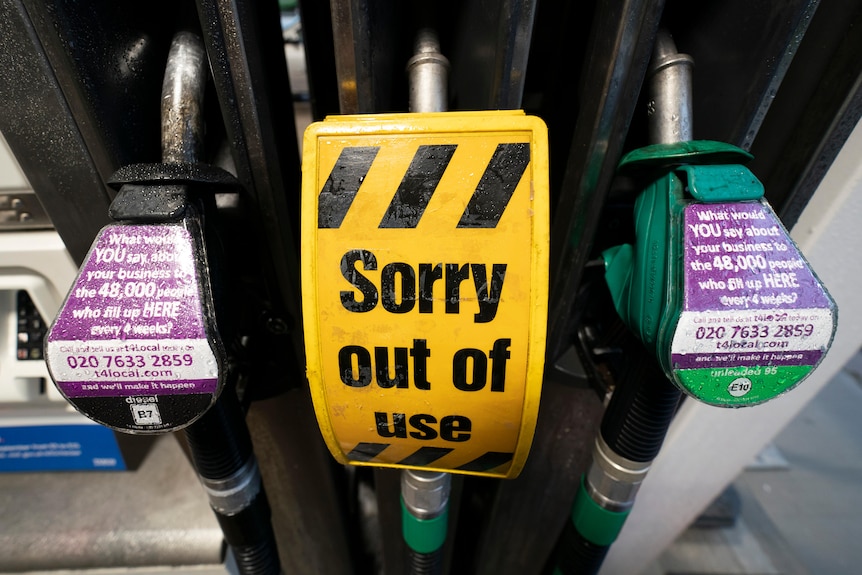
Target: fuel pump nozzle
[697,294]
[701,286]
[137,344]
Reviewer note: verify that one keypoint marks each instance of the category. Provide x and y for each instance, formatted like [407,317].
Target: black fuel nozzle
[138,343]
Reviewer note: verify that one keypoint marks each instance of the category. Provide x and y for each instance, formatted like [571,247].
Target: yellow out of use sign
[425,280]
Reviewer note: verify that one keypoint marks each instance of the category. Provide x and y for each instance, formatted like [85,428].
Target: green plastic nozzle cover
[697,285]
[637,275]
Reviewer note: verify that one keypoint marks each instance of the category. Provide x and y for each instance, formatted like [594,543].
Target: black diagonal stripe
[417,186]
[426,455]
[488,461]
[366,451]
[340,188]
[496,187]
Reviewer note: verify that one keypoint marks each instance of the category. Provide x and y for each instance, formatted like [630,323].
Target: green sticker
[738,386]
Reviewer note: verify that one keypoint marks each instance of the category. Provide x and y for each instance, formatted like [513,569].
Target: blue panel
[59,448]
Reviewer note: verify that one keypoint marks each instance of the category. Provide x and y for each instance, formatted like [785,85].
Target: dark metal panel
[246,54]
[302,494]
[319,57]
[821,155]
[351,44]
[370,55]
[621,40]
[741,52]
[816,108]
[489,60]
[560,43]
[109,60]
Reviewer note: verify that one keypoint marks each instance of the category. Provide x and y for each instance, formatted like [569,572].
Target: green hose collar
[423,535]
[595,523]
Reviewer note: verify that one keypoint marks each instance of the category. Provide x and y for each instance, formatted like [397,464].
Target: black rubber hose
[257,559]
[249,526]
[641,409]
[577,556]
[249,533]
[425,563]
[219,441]
[220,446]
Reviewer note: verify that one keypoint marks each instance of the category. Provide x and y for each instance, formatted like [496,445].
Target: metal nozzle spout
[428,70]
[182,100]
[670,100]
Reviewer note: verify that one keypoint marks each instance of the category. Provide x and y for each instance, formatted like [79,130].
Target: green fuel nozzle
[724,305]
[713,285]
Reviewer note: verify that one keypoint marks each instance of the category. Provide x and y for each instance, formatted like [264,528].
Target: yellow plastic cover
[425,286]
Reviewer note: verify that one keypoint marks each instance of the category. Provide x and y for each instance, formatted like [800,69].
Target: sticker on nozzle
[129,348]
[755,319]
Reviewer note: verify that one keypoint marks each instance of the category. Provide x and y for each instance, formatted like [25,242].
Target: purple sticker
[755,320]
[138,387]
[738,256]
[133,326]
[697,361]
[139,282]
